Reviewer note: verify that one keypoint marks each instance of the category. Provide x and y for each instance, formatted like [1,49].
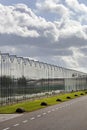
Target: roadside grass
[36,104]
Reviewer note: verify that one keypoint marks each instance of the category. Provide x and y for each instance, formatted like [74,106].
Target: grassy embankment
[35,104]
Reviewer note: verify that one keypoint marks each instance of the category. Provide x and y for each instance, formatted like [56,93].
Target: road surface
[70,115]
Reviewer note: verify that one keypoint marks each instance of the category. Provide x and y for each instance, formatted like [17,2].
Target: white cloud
[57,41]
[73,28]
[76,6]
[53,6]
[11,18]
[74,60]
[21,21]
[70,62]
[79,10]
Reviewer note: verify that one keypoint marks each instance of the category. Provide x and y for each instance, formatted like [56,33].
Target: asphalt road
[70,115]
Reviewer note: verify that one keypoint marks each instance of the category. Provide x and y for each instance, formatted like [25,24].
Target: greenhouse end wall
[75,84]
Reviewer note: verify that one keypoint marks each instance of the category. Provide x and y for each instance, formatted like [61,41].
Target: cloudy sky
[52,31]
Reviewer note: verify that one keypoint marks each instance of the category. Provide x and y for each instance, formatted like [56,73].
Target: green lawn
[35,104]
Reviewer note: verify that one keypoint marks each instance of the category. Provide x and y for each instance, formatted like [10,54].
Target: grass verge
[36,104]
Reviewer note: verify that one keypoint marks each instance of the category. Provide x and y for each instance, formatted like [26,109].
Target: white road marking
[25,121]
[38,115]
[44,113]
[63,106]
[7,128]
[49,111]
[16,124]
[32,118]
[70,103]
[66,105]
[60,108]
[4,117]
[53,109]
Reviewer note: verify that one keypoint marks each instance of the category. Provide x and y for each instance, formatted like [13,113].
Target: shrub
[58,100]
[43,104]
[20,110]
[75,95]
[68,97]
[81,94]
[85,92]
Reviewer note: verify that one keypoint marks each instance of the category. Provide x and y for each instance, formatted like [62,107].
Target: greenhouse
[22,78]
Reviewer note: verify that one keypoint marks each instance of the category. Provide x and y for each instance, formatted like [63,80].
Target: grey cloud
[84,50]
[72,41]
[41,52]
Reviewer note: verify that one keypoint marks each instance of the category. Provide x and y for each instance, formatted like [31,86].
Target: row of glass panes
[11,65]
